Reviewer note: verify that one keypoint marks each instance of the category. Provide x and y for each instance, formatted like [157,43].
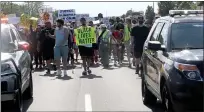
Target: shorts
[61,51]
[95,46]
[48,54]
[138,54]
[85,51]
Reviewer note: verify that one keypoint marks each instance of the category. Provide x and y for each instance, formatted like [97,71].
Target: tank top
[60,37]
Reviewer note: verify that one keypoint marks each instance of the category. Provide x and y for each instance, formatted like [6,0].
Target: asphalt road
[114,89]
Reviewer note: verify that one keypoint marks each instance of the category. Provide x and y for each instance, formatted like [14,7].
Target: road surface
[114,89]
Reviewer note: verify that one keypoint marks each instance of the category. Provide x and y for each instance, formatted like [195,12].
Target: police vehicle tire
[147,96]
[29,90]
[18,104]
[166,100]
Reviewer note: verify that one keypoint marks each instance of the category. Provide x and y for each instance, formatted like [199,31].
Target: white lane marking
[88,105]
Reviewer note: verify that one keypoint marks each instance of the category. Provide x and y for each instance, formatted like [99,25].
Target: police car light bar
[184,12]
[195,12]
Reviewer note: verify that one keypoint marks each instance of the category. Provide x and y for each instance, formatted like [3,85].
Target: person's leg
[36,56]
[89,54]
[76,52]
[137,61]
[82,51]
[57,57]
[40,59]
[122,51]
[128,49]
[106,57]
[115,55]
[64,51]
[119,53]
[101,53]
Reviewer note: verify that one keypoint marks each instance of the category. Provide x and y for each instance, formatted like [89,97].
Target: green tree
[165,6]
[129,13]
[123,16]
[30,8]
[149,14]
[185,5]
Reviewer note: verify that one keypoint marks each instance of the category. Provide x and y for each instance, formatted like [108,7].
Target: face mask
[140,22]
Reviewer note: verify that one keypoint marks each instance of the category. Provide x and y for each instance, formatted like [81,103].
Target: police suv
[16,75]
[172,62]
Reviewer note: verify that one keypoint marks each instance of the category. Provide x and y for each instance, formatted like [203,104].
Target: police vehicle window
[187,35]
[163,35]
[6,39]
[13,36]
[16,34]
[156,32]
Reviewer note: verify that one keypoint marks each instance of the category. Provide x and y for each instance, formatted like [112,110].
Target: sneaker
[84,73]
[65,73]
[89,71]
[48,71]
[54,67]
[59,72]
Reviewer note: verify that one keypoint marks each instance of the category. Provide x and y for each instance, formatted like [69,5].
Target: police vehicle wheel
[18,103]
[29,90]
[166,101]
[147,96]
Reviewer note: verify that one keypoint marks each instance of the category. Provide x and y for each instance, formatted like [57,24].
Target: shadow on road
[91,76]
[26,104]
[156,107]
[64,78]
[49,75]
[6,107]
[95,65]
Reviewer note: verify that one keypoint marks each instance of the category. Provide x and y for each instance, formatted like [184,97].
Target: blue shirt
[60,35]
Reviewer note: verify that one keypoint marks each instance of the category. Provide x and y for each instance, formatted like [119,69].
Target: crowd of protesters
[52,43]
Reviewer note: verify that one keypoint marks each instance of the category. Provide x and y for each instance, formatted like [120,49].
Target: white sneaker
[59,72]
[65,73]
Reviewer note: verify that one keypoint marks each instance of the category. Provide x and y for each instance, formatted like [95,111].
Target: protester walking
[139,33]
[85,37]
[127,39]
[104,45]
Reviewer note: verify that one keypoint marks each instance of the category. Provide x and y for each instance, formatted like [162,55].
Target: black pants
[70,56]
[38,58]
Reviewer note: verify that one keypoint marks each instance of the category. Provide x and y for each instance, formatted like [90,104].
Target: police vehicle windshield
[187,35]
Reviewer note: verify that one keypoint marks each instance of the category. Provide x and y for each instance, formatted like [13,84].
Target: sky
[106,8]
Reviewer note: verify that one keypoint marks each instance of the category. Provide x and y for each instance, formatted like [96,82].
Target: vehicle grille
[4,86]
[201,68]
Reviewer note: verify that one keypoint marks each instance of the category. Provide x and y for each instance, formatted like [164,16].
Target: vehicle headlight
[7,67]
[190,71]
[10,81]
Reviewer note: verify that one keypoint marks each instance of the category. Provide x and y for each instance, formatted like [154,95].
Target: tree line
[29,8]
[163,9]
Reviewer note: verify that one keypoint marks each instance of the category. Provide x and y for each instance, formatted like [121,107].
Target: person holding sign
[85,37]
[61,45]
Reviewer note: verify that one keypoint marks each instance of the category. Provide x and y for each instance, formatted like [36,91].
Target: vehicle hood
[187,55]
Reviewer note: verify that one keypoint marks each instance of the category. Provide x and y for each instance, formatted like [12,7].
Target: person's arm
[132,35]
[52,36]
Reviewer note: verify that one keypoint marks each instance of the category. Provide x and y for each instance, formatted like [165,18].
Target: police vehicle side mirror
[155,46]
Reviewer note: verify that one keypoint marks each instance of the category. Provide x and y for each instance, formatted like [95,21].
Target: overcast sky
[106,8]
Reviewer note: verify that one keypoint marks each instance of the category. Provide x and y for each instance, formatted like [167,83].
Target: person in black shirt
[139,34]
[47,45]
